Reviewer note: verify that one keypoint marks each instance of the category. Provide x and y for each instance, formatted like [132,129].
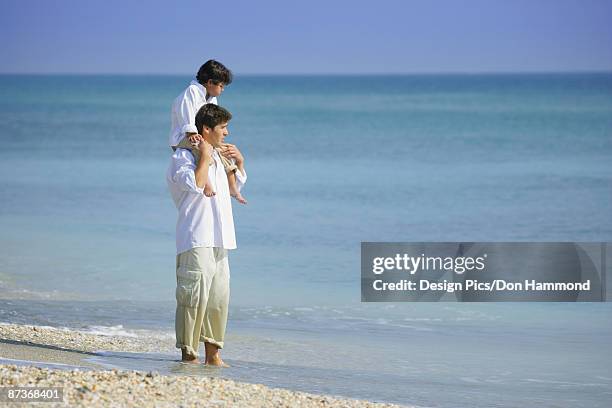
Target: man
[204,234]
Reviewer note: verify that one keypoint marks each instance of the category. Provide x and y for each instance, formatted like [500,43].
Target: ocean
[87,225]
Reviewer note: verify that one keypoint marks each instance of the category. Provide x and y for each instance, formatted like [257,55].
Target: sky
[306,37]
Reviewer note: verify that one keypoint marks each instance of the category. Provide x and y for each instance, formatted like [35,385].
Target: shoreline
[91,384]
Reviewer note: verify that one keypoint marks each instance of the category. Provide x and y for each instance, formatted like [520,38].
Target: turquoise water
[86,223]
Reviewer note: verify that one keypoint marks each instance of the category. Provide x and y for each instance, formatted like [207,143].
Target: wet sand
[44,357]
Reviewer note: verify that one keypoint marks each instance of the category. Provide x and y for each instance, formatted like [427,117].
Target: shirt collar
[202,89]
[199,85]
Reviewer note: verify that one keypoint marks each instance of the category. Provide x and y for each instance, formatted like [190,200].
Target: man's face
[217,135]
[213,89]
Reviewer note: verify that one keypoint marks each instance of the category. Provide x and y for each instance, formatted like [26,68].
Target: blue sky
[308,36]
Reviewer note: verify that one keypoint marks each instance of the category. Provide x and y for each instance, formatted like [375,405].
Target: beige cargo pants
[202,297]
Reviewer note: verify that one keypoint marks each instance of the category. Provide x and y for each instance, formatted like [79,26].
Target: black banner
[483,272]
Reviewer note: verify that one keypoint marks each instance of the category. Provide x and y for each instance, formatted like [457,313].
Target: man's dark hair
[211,115]
[215,71]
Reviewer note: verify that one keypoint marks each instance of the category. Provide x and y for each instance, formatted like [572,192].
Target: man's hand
[206,149]
[231,152]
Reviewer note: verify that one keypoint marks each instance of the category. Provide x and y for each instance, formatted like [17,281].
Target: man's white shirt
[184,110]
[202,221]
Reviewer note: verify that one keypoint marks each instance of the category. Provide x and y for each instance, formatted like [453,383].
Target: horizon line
[527,72]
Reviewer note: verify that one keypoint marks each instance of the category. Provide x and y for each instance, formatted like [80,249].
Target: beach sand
[91,385]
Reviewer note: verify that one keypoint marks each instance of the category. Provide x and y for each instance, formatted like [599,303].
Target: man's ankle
[211,349]
[185,356]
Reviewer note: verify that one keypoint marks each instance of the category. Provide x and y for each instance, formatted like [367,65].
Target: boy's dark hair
[211,115]
[215,71]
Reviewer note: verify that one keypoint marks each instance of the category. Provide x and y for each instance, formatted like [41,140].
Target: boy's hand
[194,139]
[231,152]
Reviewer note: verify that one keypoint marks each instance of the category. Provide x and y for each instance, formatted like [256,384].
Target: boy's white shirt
[202,221]
[184,109]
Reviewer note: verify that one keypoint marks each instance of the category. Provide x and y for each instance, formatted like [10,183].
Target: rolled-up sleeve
[189,128]
[182,172]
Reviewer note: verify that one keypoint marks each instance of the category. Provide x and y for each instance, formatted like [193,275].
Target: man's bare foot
[188,358]
[239,197]
[208,191]
[213,357]
[216,361]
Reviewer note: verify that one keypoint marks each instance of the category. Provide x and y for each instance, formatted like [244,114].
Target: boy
[212,77]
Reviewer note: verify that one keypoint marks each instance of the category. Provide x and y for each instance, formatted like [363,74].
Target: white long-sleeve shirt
[184,109]
[202,221]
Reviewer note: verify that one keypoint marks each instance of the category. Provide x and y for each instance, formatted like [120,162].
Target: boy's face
[213,89]
[217,135]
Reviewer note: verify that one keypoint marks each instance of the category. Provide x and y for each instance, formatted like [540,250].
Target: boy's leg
[230,169]
[194,273]
[233,187]
[215,316]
